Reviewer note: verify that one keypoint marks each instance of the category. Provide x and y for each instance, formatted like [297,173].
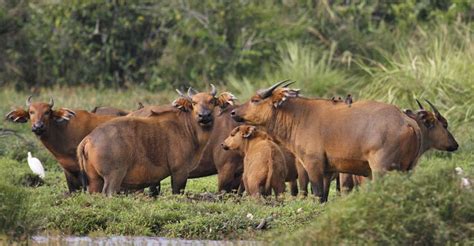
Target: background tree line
[163,44]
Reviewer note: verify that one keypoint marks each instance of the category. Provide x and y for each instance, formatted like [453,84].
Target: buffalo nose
[224,146]
[454,147]
[38,125]
[38,128]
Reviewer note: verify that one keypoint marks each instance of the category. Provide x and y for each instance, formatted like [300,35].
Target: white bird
[465,182]
[36,166]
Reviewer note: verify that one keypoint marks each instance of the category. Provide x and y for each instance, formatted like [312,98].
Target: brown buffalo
[368,138]
[136,152]
[434,135]
[60,131]
[264,162]
[226,164]
[109,111]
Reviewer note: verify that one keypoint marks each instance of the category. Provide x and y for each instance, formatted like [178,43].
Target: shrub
[427,207]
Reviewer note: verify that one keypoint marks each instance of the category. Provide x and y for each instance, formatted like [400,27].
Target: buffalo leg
[326,185]
[113,182]
[293,188]
[280,188]
[178,182]
[316,177]
[95,185]
[303,179]
[155,190]
[226,177]
[241,188]
[73,181]
[255,189]
[346,181]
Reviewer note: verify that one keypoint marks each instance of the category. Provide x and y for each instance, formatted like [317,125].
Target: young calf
[264,162]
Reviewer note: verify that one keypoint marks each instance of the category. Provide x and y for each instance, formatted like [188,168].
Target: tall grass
[437,65]
[311,67]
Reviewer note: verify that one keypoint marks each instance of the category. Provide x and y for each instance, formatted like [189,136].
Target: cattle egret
[35,166]
[465,182]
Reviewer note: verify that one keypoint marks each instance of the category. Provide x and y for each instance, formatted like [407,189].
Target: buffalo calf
[264,162]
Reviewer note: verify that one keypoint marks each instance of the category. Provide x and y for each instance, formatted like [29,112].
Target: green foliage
[437,65]
[427,207]
[169,43]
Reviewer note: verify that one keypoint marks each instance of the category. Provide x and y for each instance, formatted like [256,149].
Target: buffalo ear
[18,116]
[248,131]
[63,114]
[225,99]
[234,131]
[280,95]
[183,104]
[410,113]
[427,118]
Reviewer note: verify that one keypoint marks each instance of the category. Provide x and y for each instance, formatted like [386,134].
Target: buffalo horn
[213,90]
[268,92]
[51,102]
[419,104]
[191,92]
[28,101]
[435,110]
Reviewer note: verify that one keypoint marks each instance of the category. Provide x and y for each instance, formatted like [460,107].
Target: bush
[13,210]
[427,207]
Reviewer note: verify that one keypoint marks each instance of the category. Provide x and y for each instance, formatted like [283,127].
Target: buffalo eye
[255,100]
[47,112]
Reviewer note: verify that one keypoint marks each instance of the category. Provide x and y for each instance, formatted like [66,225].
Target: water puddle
[126,240]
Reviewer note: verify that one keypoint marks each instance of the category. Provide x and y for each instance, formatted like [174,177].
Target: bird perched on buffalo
[348,100]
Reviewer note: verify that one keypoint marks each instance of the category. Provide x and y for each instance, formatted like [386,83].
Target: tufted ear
[409,113]
[183,104]
[280,95]
[247,131]
[18,116]
[234,131]
[427,118]
[225,99]
[63,114]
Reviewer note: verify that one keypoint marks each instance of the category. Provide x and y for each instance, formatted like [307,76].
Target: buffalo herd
[277,136]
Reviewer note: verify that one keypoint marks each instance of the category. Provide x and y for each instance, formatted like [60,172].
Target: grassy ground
[424,207]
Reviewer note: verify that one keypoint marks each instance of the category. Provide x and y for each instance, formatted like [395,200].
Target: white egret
[36,166]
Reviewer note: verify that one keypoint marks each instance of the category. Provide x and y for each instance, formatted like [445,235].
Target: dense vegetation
[392,52]
[161,44]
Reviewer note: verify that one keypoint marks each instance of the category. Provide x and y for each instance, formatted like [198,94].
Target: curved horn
[435,110]
[268,92]
[213,90]
[191,92]
[419,104]
[180,93]
[51,102]
[28,101]
[289,83]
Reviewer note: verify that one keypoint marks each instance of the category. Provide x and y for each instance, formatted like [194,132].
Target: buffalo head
[237,137]
[436,127]
[202,104]
[40,114]
[260,108]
